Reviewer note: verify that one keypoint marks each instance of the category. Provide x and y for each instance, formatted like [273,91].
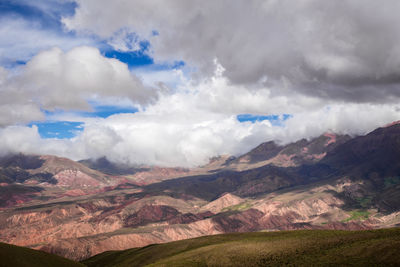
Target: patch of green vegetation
[238,207]
[19,189]
[364,202]
[45,206]
[24,257]
[357,216]
[391,181]
[294,248]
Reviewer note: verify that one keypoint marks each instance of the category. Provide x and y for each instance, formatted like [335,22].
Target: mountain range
[80,209]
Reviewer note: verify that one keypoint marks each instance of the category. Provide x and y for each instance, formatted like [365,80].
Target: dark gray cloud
[346,50]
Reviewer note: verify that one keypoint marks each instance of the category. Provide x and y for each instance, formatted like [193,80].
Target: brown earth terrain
[77,210]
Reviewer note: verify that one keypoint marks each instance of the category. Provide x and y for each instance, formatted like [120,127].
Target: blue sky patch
[41,29]
[69,129]
[59,129]
[100,111]
[133,59]
[275,120]
[107,111]
[140,58]
[46,13]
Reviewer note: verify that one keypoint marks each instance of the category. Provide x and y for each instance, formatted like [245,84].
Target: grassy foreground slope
[15,256]
[300,248]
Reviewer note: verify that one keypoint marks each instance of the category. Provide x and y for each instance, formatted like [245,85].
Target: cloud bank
[187,127]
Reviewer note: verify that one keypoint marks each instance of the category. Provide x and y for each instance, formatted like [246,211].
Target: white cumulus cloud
[58,80]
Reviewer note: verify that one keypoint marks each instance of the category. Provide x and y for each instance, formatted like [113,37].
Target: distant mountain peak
[392,123]
[331,136]
[293,154]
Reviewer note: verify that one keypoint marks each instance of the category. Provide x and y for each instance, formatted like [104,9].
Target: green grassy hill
[14,256]
[299,248]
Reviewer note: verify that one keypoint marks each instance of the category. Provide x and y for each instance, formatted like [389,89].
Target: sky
[175,83]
